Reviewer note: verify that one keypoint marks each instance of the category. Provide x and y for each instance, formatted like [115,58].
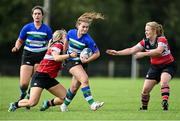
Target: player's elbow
[98,54]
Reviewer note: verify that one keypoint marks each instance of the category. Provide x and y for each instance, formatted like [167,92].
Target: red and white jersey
[48,65]
[166,56]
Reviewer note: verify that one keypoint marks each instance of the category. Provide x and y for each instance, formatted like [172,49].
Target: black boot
[165,105]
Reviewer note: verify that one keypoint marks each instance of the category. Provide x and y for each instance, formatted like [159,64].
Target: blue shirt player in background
[34,37]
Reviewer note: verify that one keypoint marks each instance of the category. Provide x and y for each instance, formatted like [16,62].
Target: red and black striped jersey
[48,65]
[166,56]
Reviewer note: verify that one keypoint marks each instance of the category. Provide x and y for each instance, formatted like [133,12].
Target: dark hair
[37,7]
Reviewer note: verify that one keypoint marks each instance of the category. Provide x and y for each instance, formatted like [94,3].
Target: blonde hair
[157,27]
[88,17]
[57,37]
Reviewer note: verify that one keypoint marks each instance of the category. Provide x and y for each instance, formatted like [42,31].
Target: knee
[84,81]
[24,83]
[145,92]
[74,89]
[32,103]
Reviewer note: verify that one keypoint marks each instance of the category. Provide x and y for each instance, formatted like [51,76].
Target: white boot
[96,105]
[63,108]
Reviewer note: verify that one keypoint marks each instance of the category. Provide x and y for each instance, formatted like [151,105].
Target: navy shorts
[31,58]
[43,80]
[155,71]
[69,64]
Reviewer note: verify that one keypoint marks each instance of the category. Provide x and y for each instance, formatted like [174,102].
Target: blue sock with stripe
[87,94]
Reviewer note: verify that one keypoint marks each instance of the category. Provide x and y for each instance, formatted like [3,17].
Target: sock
[69,97]
[165,92]
[87,94]
[16,104]
[23,92]
[51,103]
[145,100]
[28,94]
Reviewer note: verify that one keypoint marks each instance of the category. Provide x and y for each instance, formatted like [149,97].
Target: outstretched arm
[127,51]
[152,53]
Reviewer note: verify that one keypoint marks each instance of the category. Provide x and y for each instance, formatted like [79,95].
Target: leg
[26,72]
[71,92]
[80,74]
[165,78]
[34,69]
[145,95]
[58,91]
[35,94]
[32,101]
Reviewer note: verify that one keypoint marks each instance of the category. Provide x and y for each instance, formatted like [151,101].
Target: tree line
[123,26]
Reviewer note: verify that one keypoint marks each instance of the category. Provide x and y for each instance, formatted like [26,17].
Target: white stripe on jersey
[162,44]
[75,41]
[140,46]
[56,49]
[35,49]
[36,41]
[48,57]
[74,50]
[40,33]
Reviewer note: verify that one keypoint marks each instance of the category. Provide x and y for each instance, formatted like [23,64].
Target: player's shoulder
[72,31]
[28,25]
[45,26]
[58,44]
[162,39]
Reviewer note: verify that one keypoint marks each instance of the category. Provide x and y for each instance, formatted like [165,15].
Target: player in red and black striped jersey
[162,68]
[47,71]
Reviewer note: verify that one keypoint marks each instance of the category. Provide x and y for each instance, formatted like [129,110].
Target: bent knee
[32,103]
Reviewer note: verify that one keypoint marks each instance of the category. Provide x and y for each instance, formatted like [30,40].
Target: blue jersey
[78,44]
[35,40]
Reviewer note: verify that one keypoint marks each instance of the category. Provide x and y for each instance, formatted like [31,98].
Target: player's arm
[65,47]
[18,45]
[127,51]
[152,53]
[93,57]
[58,57]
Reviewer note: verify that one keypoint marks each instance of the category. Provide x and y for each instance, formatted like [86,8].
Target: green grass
[121,97]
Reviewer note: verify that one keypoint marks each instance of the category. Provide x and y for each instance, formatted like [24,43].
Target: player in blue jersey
[34,37]
[77,40]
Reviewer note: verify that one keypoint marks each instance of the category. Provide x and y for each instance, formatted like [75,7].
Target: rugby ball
[86,53]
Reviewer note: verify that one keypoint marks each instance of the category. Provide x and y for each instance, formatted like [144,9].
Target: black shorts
[43,80]
[69,64]
[31,58]
[155,71]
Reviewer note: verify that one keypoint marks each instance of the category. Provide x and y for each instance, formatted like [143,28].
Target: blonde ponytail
[57,37]
[88,17]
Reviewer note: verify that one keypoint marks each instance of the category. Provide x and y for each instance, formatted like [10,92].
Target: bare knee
[32,103]
[85,81]
[145,91]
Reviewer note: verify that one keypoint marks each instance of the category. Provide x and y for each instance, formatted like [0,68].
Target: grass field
[121,97]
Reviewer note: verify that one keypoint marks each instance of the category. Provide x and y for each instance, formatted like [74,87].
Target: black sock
[52,102]
[16,104]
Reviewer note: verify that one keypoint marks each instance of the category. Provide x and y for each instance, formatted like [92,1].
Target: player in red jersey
[162,68]
[47,71]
